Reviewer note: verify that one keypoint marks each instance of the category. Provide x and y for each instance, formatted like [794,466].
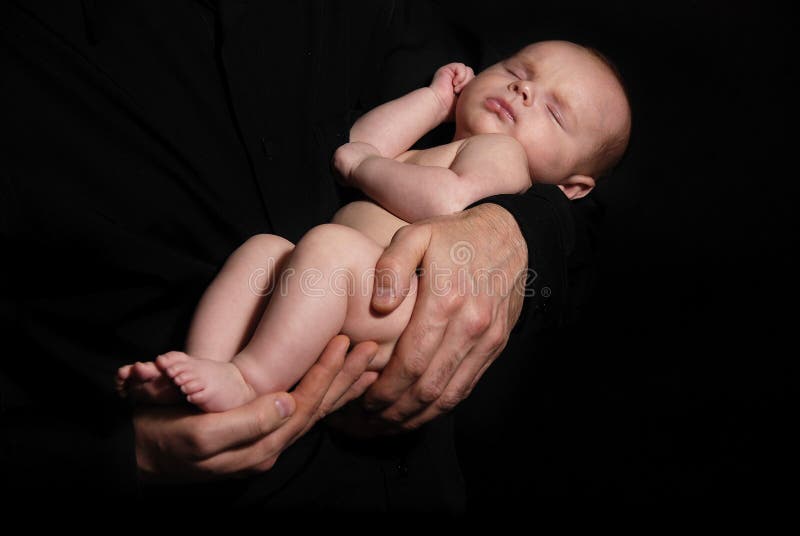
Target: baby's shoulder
[493,150]
[494,158]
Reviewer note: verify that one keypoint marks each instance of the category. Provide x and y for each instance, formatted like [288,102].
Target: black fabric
[142,142]
[545,219]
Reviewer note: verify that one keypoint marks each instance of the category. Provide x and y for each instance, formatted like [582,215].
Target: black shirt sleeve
[543,214]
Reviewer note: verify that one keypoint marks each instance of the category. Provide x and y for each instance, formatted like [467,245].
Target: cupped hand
[470,291]
[178,443]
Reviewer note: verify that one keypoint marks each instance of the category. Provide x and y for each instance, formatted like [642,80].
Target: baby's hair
[609,154]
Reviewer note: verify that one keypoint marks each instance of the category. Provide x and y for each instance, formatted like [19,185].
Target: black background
[675,383]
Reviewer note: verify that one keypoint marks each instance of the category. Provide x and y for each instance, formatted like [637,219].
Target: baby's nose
[523,89]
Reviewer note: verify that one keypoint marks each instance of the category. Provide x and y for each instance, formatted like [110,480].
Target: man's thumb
[397,265]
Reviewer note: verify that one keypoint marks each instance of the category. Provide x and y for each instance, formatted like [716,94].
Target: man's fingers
[240,426]
[470,370]
[306,397]
[472,338]
[354,366]
[459,388]
[446,354]
[398,263]
[266,414]
[358,388]
[412,354]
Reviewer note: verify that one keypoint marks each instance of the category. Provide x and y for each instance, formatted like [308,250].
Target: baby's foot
[209,385]
[144,382]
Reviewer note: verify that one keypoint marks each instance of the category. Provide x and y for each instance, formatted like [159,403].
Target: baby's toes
[145,372]
[123,373]
[184,377]
[170,359]
[199,398]
[192,387]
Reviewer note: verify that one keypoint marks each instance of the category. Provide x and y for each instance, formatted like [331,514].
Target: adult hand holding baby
[469,298]
[177,442]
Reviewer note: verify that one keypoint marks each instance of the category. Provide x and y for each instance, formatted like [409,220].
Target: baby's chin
[485,124]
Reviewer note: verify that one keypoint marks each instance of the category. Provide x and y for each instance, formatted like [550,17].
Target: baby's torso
[441,155]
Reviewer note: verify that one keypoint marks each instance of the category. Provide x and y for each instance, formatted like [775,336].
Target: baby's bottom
[324,288]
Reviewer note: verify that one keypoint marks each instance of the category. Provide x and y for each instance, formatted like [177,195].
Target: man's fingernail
[283,407]
[385,292]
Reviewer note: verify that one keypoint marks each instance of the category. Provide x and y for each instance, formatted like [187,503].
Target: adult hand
[177,443]
[469,297]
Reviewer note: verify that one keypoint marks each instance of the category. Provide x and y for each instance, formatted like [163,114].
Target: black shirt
[142,142]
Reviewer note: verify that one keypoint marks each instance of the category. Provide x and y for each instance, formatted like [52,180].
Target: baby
[555,112]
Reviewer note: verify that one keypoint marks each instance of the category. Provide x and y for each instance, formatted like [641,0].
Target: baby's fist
[448,81]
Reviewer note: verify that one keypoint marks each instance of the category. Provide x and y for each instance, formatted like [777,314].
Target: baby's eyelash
[555,115]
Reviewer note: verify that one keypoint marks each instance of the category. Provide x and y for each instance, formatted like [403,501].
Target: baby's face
[556,98]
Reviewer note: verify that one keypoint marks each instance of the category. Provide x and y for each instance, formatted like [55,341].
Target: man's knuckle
[497,339]
[477,321]
[323,411]
[429,392]
[450,303]
[261,424]
[414,367]
[448,401]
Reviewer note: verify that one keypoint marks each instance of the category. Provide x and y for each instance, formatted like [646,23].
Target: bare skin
[178,443]
[533,126]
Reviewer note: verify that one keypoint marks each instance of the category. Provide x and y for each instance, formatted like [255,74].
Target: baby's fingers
[462,78]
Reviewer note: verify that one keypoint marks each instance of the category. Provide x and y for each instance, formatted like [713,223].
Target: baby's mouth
[501,108]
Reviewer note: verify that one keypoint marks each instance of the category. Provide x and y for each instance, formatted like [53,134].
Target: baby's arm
[485,165]
[393,127]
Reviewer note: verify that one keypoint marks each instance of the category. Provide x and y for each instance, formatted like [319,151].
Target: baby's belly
[363,324]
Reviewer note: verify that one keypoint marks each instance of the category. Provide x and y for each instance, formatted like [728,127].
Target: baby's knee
[339,244]
[262,249]
[267,243]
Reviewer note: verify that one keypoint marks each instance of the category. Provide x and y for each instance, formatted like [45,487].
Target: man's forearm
[395,126]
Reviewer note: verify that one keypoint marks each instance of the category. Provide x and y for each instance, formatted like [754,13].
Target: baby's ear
[577,186]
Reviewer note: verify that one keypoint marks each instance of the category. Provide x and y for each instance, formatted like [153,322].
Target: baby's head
[563,102]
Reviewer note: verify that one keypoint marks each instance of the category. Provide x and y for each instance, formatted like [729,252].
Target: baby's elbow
[450,204]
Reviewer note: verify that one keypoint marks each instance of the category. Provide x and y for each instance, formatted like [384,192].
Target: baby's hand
[448,81]
[349,156]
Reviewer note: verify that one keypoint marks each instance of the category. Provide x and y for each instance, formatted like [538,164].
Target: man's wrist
[505,226]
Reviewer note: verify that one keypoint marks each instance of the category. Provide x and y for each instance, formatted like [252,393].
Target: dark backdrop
[675,382]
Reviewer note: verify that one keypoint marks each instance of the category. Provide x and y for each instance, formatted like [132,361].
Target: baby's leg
[223,322]
[233,304]
[325,289]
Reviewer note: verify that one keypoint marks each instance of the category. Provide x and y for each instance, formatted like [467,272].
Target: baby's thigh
[361,322]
